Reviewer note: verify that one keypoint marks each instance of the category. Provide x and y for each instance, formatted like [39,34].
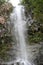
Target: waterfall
[17,18]
[20,27]
[20,37]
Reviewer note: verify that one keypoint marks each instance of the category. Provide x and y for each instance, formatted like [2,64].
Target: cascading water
[20,28]
[20,37]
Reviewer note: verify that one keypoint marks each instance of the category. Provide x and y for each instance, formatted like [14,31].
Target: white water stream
[20,28]
[22,58]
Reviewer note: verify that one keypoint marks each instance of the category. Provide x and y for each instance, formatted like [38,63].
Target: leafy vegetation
[35,9]
[5,34]
[2,1]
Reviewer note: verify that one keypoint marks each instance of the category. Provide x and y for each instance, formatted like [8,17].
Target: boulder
[2,20]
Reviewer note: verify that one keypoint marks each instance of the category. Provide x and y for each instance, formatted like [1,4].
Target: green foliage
[36,37]
[35,8]
[35,32]
[5,41]
[2,1]
[5,34]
